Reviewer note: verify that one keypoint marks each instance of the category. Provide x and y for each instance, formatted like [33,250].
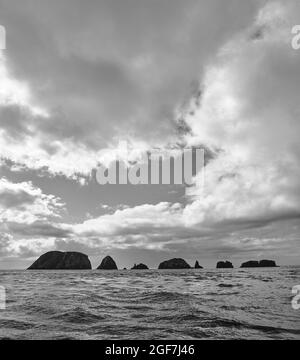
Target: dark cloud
[10,199]
[38,229]
[110,67]
[78,76]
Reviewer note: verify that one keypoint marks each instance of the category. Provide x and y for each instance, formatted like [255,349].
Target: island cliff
[107,263]
[224,265]
[57,260]
[262,263]
[174,264]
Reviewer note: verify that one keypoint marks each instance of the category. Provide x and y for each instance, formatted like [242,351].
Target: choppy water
[188,304]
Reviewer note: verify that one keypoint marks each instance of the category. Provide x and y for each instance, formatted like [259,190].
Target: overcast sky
[78,78]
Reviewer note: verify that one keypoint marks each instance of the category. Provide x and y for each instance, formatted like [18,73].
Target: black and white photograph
[149,172]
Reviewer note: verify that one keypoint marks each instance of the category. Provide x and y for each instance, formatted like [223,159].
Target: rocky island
[224,265]
[256,264]
[174,264]
[197,265]
[140,267]
[107,263]
[57,260]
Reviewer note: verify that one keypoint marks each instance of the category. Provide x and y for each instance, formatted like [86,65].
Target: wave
[229,323]
[78,316]
[150,305]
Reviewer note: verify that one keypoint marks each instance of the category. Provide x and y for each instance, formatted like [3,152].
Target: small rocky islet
[58,260]
[197,265]
[224,265]
[140,267]
[108,263]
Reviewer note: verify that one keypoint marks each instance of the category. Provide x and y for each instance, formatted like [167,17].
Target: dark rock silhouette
[174,264]
[256,264]
[197,266]
[107,263]
[250,264]
[140,267]
[224,265]
[267,263]
[57,260]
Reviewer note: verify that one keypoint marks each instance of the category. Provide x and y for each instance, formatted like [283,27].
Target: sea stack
[107,263]
[267,263]
[174,264]
[197,265]
[224,265]
[259,264]
[57,260]
[250,264]
[140,267]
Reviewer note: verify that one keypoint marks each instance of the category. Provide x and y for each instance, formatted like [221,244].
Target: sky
[78,79]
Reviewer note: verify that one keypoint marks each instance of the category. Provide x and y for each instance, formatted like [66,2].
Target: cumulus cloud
[24,203]
[27,218]
[81,77]
[246,112]
[249,115]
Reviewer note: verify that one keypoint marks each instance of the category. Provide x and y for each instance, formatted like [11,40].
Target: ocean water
[150,305]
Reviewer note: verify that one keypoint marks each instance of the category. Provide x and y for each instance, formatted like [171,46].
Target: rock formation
[140,267]
[197,266]
[107,263]
[267,263]
[256,264]
[57,260]
[174,264]
[250,264]
[224,265]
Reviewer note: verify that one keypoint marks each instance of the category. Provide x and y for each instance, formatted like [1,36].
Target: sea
[150,304]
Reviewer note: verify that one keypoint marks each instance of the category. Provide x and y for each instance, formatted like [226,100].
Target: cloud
[129,219]
[249,115]
[93,83]
[23,203]
[81,77]
[27,219]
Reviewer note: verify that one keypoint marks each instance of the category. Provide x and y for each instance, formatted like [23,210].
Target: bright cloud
[23,203]
[68,111]
[249,114]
